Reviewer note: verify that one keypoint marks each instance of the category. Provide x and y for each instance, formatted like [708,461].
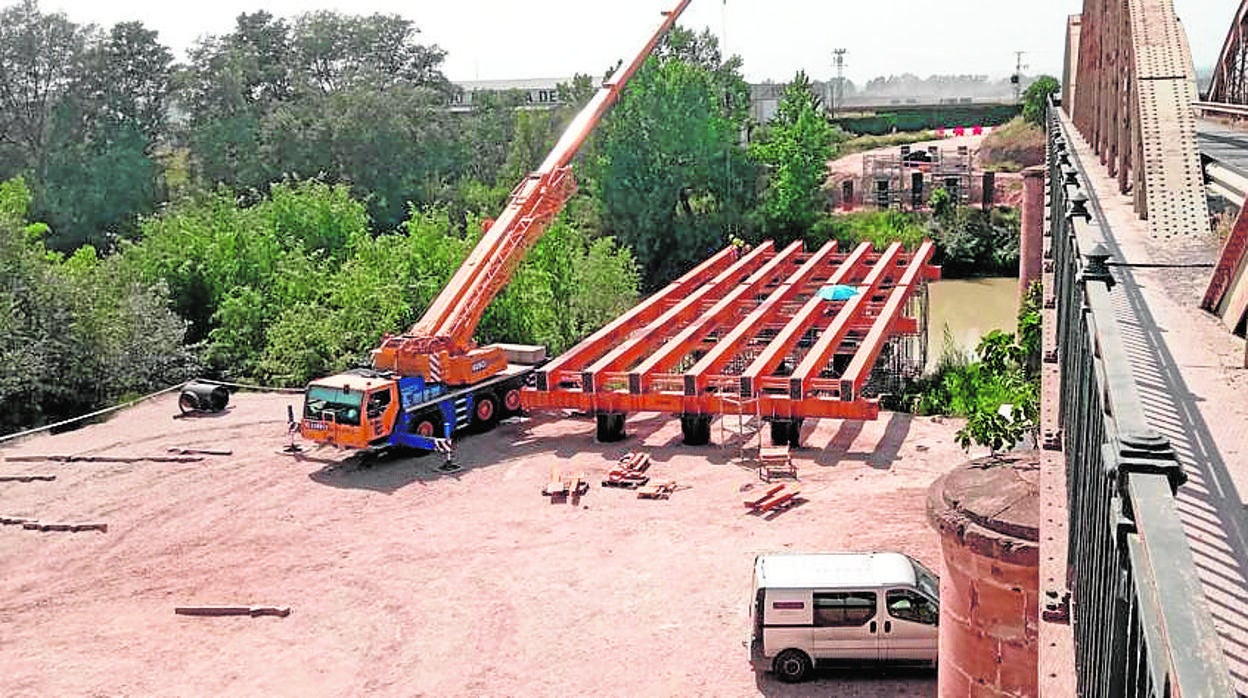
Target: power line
[838,97]
[1017,78]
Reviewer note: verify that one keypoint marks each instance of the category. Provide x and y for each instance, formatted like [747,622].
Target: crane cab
[350,410]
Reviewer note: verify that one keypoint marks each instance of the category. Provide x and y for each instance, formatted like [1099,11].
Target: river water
[970,308]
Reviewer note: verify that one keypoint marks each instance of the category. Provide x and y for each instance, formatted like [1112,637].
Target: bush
[1016,145]
[864,143]
[973,242]
[880,228]
[76,334]
[997,388]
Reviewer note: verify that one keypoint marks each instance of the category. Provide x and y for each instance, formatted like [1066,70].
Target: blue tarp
[837,292]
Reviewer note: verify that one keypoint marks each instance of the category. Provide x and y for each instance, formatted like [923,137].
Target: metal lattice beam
[1133,104]
[1229,84]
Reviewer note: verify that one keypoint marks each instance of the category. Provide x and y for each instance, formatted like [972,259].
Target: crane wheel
[486,409]
[511,400]
[426,428]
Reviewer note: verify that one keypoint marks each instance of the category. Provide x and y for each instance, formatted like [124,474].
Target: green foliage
[295,286]
[1036,96]
[794,149]
[860,144]
[997,389]
[880,228]
[349,99]
[77,333]
[80,111]
[667,164]
[973,242]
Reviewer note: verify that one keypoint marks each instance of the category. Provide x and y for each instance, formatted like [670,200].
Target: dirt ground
[406,581]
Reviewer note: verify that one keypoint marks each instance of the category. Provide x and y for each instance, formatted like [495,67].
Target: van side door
[786,621]
[910,632]
[846,625]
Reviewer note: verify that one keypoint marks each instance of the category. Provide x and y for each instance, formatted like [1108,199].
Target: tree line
[266,210]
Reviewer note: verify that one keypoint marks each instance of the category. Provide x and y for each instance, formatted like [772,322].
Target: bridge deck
[1226,145]
[1187,370]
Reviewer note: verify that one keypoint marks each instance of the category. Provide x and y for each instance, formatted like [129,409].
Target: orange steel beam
[730,344]
[809,315]
[859,368]
[635,347]
[680,345]
[832,337]
[709,403]
[615,331]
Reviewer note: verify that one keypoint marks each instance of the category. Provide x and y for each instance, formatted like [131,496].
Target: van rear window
[788,605]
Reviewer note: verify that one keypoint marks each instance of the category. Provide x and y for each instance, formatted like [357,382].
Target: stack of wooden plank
[561,487]
[629,472]
[777,497]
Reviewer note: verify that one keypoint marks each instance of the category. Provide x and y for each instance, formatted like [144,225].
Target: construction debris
[560,487]
[103,459]
[35,525]
[661,490]
[27,478]
[630,472]
[253,611]
[201,451]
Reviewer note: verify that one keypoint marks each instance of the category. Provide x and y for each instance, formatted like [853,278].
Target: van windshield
[927,582]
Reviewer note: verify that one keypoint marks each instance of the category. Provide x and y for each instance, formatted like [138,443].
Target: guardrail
[1141,623]
[1221,109]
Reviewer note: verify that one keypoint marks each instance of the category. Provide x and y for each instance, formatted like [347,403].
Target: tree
[1036,96]
[80,114]
[667,163]
[794,151]
[76,333]
[101,173]
[349,99]
[39,59]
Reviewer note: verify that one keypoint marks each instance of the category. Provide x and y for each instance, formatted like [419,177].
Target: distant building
[539,92]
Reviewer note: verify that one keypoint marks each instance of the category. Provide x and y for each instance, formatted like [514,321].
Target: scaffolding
[905,179]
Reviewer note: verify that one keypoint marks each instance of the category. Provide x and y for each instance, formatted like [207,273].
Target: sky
[512,39]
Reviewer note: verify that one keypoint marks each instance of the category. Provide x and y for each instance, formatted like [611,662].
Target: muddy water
[970,308]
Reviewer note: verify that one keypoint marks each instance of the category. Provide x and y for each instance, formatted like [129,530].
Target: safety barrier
[1141,623]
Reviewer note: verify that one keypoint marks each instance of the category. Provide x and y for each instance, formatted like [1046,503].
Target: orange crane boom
[440,345]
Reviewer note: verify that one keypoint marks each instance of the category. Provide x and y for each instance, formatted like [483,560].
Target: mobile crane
[433,381]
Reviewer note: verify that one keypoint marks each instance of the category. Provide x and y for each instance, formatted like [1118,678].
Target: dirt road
[406,581]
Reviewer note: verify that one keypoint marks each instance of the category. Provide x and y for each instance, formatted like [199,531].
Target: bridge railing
[1141,623]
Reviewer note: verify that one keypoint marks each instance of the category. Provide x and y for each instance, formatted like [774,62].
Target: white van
[841,608]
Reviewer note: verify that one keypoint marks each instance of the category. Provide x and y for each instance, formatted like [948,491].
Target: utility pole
[1017,77]
[838,96]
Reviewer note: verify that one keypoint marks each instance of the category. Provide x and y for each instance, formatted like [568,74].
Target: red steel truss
[748,329]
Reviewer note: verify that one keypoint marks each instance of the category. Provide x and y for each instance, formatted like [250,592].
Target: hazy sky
[498,39]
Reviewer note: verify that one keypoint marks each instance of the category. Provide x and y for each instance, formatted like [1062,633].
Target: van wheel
[792,666]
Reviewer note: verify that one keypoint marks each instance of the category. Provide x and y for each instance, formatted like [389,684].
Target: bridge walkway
[1188,371]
